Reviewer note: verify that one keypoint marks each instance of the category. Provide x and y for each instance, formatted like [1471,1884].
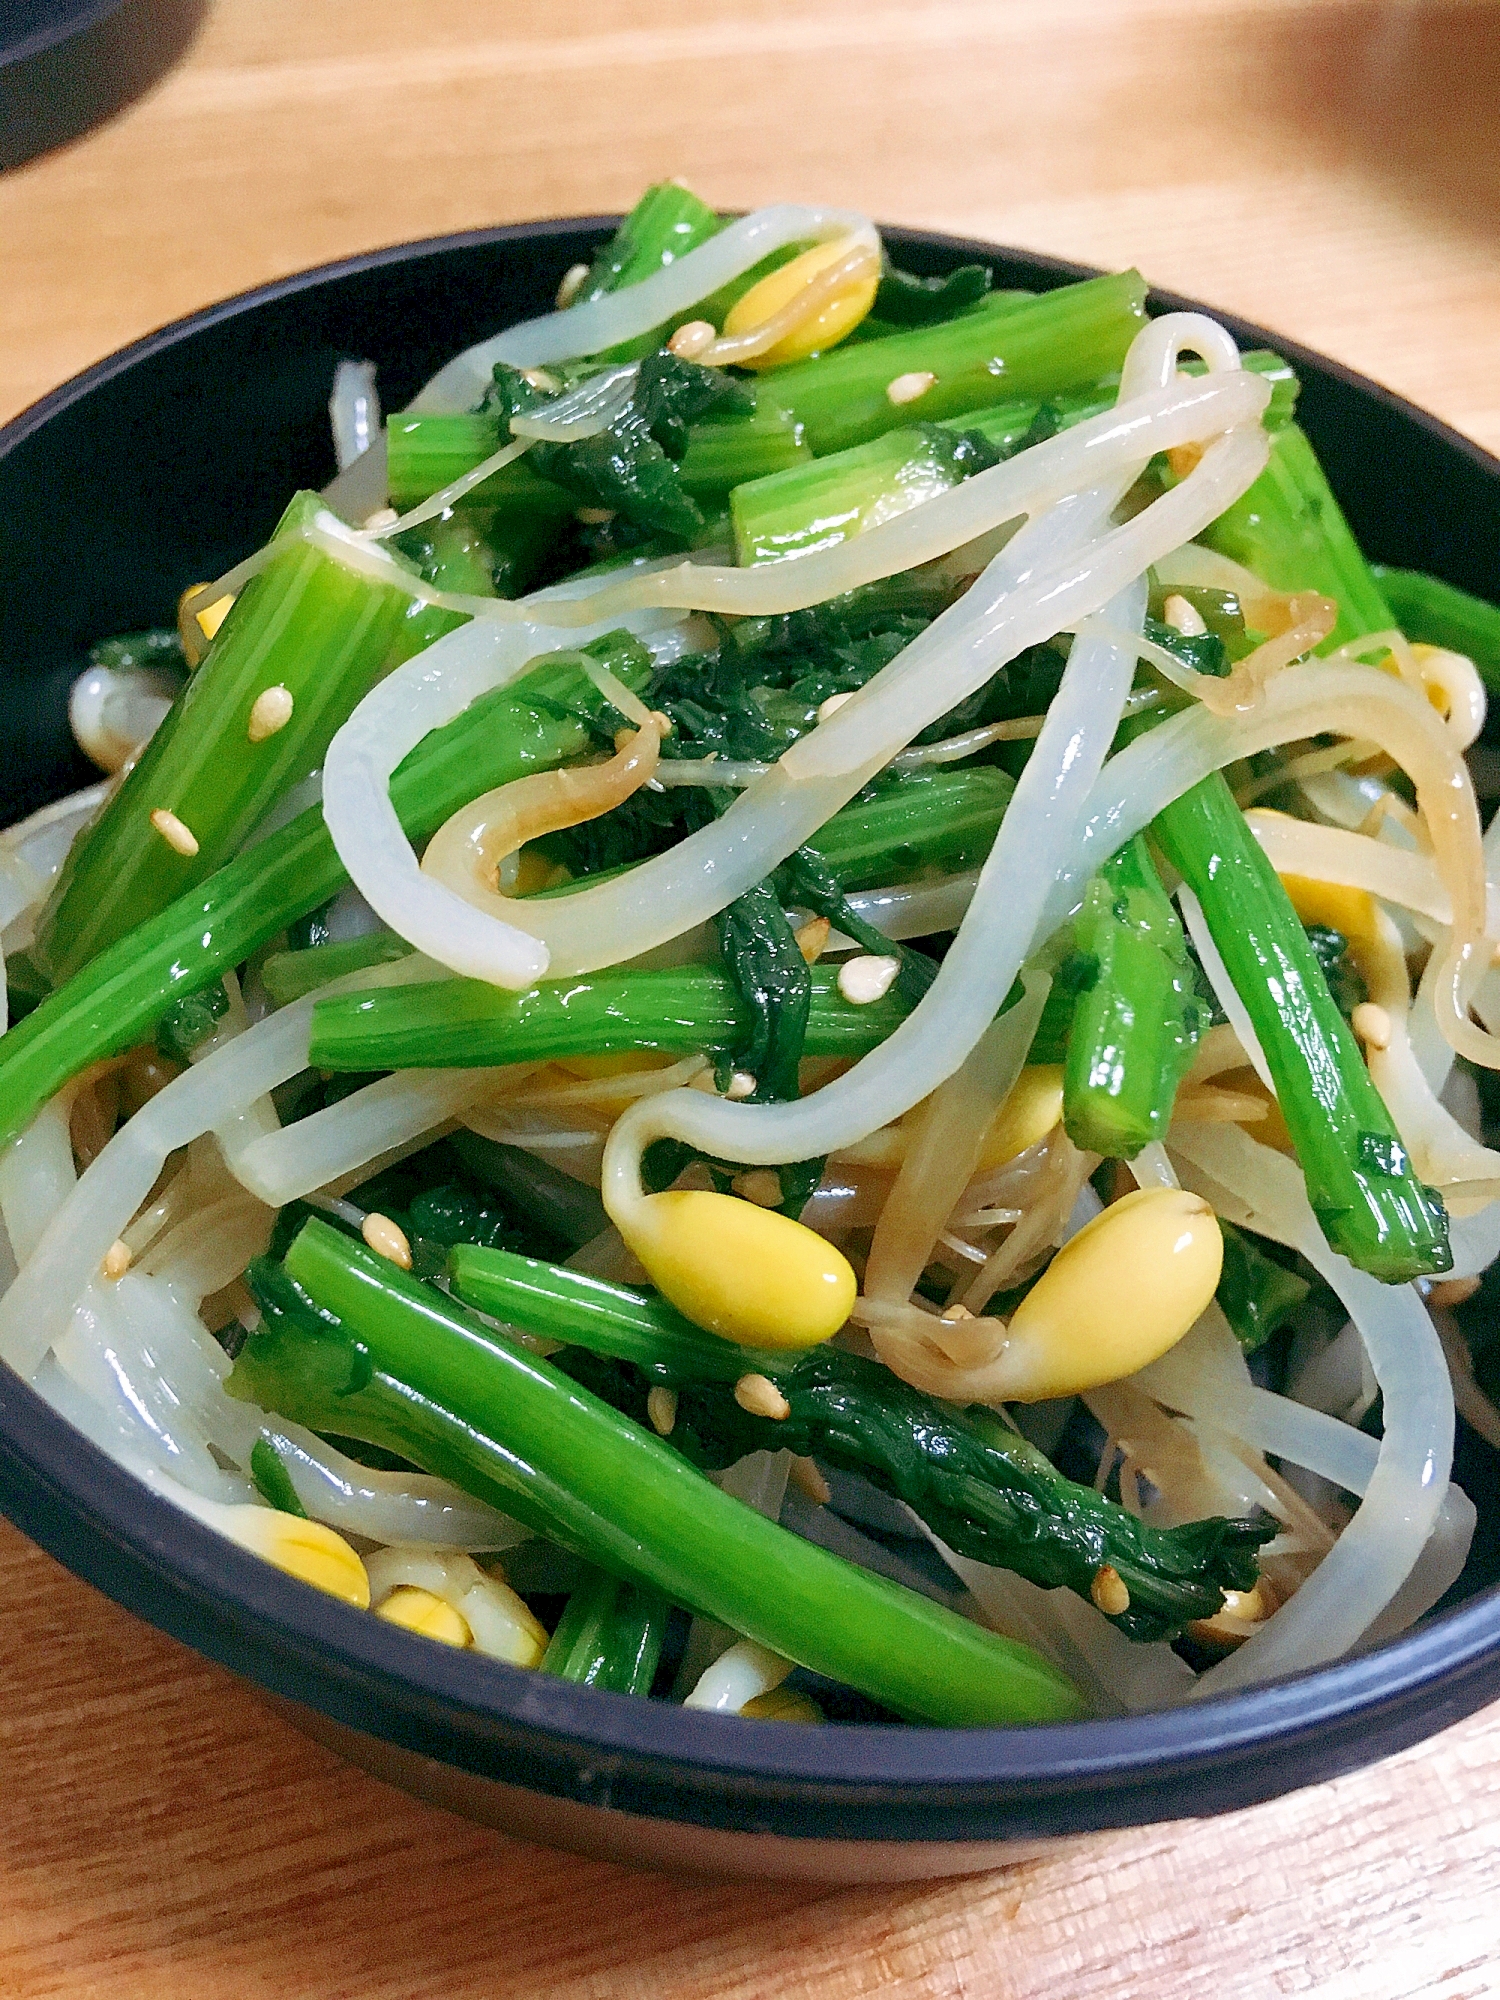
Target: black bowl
[163,465]
[67,64]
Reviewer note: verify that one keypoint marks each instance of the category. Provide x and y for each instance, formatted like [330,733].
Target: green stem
[307,624]
[997,352]
[987,1492]
[1134,1026]
[1369,1203]
[939,820]
[464,1023]
[667,222]
[391,1359]
[609,1636]
[119,997]
[288,975]
[1440,614]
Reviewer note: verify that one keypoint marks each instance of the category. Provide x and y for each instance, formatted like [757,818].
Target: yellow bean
[1028,1114]
[744,1273]
[824,329]
[304,1549]
[1116,1297]
[417,1610]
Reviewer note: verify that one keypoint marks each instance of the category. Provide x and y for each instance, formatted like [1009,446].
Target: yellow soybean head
[1028,1114]
[783,1704]
[745,1273]
[825,329]
[304,1549]
[1116,1297]
[1351,911]
[420,1611]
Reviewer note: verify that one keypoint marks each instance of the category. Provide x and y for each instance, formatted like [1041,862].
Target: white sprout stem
[737,1676]
[385,1506]
[367,1127]
[353,411]
[606,322]
[1376,1553]
[37,1309]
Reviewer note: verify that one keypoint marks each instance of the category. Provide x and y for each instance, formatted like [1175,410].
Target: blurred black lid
[65,64]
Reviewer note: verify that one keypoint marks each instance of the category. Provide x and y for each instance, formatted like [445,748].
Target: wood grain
[1328,167]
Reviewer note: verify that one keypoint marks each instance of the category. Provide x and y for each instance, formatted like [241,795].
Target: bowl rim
[89,1511]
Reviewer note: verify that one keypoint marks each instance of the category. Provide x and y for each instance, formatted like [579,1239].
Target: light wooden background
[1329,167]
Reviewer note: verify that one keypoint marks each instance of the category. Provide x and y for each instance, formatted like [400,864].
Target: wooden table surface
[1328,167]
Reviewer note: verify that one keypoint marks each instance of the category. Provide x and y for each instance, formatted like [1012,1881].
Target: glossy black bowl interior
[164,465]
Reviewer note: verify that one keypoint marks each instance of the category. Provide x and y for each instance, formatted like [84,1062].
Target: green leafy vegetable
[1257,1294]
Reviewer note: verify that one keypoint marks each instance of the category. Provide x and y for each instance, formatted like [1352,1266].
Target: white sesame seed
[812,937]
[958,1311]
[173,832]
[661,1408]
[833,704]
[762,1185]
[117,1259]
[741,1085]
[1372,1024]
[383,517]
[593,517]
[866,978]
[571,286]
[270,711]
[909,388]
[693,338]
[1183,618]
[538,378]
[386,1239]
[1108,1591]
[803,1473]
[759,1396]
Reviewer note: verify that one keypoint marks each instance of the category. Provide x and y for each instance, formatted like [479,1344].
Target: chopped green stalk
[1369,1203]
[287,975]
[941,820]
[428,451]
[1440,614]
[1291,531]
[823,502]
[464,1023]
[567,1207]
[272,1480]
[389,1359]
[191,1020]
[1255,1293]
[667,222]
[725,450]
[306,624]
[1135,1024]
[609,1636]
[983,1489]
[997,352]
[119,997]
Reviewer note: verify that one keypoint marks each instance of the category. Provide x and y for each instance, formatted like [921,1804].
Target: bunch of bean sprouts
[185,1192]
